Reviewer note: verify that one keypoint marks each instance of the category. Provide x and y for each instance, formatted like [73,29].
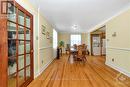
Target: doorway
[98,42]
[19,52]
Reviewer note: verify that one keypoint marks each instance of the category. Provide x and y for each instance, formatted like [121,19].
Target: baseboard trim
[36,75]
[44,67]
[121,70]
[42,48]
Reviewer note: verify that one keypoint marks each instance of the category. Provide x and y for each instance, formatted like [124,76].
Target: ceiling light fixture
[75,27]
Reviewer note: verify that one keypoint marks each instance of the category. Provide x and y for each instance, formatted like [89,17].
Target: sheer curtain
[75,39]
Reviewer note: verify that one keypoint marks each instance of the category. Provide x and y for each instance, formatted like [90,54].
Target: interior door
[20,46]
[3,50]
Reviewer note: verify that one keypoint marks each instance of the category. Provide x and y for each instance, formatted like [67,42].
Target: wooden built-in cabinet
[98,42]
[16,47]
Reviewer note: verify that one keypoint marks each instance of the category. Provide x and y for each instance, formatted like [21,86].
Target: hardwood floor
[94,73]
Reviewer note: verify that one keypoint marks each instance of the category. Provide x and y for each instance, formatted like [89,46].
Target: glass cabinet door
[12,66]
[19,48]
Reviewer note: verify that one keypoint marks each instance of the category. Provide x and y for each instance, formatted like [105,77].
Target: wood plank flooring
[68,73]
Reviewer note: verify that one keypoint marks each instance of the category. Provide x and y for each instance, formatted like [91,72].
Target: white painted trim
[38,60]
[45,48]
[117,48]
[36,75]
[121,70]
[103,22]
[43,68]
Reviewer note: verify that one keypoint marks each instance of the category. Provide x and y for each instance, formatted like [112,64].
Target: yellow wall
[43,49]
[120,25]
[45,45]
[66,38]
[118,47]
[84,38]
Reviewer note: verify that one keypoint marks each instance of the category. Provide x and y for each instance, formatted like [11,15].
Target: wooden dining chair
[75,46]
[81,54]
[85,48]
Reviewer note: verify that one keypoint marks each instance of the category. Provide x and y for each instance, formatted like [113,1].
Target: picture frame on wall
[43,30]
[47,35]
[51,39]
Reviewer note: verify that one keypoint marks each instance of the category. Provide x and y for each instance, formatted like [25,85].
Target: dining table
[73,52]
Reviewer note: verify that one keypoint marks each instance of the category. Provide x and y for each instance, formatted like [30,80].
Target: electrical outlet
[113,60]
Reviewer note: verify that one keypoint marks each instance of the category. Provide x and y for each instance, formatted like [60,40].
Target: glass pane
[12,15]
[21,33]
[27,46]
[27,59]
[11,39]
[12,72]
[21,17]
[20,62]
[11,48]
[21,78]
[28,21]
[28,73]
[11,30]
[75,39]
[12,65]
[12,80]
[27,34]
[21,47]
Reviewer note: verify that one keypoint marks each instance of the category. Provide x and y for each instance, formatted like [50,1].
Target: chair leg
[84,59]
[69,57]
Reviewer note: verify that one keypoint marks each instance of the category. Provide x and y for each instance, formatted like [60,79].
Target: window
[75,39]
[54,38]
[54,42]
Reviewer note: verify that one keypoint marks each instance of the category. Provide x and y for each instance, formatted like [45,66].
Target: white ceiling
[85,14]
